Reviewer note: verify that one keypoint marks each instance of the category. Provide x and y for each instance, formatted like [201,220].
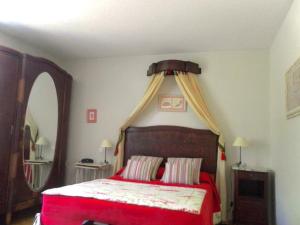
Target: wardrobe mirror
[40,131]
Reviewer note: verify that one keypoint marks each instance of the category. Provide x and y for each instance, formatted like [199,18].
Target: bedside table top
[92,165]
[253,169]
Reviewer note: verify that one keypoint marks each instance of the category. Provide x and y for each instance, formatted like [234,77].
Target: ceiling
[72,29]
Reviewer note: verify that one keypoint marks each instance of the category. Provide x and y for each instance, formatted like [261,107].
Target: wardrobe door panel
[10,72]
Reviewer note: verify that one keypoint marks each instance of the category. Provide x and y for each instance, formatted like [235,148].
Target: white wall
[285,134]
[236,86]
[16,44]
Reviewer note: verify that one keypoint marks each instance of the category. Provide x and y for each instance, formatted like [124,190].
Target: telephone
[87,160]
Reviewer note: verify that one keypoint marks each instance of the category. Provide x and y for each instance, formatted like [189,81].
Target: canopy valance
[170,67]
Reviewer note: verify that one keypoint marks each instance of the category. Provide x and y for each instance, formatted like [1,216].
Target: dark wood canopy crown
[173,141]
[170,66]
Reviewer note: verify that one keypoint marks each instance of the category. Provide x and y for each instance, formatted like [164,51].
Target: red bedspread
[65,210]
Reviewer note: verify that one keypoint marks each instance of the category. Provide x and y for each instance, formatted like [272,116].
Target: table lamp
[106,144]
[41,143]
[240,142]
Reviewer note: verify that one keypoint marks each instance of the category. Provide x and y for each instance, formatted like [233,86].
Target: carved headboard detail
[173,141]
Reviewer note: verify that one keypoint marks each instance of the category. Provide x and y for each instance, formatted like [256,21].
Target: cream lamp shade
[106,144]
[240,142]
[42,141]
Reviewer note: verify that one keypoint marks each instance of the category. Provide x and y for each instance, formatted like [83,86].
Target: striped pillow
[196,163]
[178,172]
[138,170]
[156,161]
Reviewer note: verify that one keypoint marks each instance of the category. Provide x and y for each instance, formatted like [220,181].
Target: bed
[162,141]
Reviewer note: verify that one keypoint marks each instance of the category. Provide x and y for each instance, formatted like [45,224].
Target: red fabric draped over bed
[65,210]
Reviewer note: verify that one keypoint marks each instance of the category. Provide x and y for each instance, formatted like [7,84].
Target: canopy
[190,88]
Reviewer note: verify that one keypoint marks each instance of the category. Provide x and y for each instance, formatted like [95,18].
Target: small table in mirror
[36,172]
[91,171]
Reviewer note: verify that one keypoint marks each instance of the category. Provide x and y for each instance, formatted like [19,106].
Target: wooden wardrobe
[18,73]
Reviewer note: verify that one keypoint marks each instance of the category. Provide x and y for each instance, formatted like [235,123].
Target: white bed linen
[167,197]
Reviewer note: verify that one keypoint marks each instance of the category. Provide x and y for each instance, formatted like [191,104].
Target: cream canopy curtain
[151,91]
[190,88]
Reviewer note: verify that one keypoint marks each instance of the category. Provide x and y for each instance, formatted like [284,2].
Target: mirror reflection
[40,131]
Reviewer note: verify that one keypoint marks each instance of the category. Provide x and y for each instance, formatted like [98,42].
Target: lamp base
[105,161]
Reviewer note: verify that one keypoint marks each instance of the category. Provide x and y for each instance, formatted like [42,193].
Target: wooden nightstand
[253,196]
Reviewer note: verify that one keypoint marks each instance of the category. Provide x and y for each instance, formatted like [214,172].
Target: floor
[23,221]
[24,218]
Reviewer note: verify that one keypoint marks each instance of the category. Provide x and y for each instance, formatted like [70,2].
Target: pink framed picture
[171,103]
[91,116]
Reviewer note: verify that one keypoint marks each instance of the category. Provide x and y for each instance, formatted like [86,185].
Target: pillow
[178,172]
[196,163]
[138,170]
[156,161]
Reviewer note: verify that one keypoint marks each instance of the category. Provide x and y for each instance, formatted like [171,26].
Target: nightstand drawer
[250,213]
[249,175]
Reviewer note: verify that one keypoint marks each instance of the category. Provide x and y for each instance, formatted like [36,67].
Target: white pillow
[138,170]
[178,172]
[156,161]
[196,164]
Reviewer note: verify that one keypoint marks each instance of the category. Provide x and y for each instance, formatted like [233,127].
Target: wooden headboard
[173,141]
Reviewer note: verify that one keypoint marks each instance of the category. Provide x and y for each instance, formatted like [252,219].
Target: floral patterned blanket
[184,199]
